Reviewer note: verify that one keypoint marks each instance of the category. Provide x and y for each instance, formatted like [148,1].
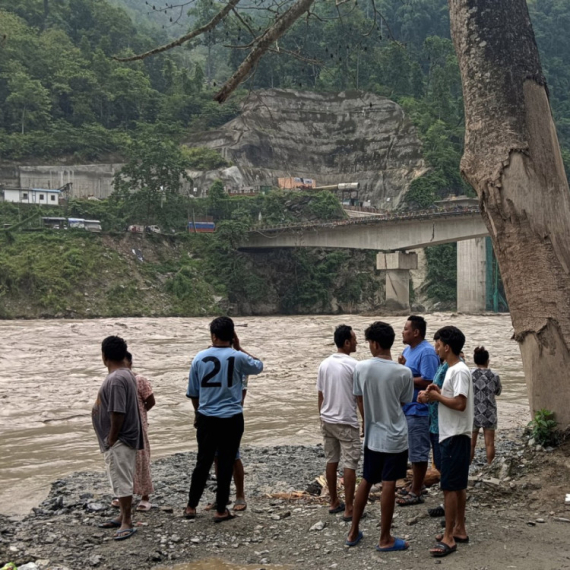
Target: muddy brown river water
[50,372]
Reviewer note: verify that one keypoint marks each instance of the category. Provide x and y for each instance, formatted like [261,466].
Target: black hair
[480,355]
[129,357]
[382,333]
[223,328]
[453,337]
[419,324]
[114,348]
[342,333]
[436,335]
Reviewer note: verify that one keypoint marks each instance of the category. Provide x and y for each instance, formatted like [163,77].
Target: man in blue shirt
[420,357]
[215,386]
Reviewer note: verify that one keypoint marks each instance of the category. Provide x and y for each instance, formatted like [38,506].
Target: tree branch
[197,32]
[272,34]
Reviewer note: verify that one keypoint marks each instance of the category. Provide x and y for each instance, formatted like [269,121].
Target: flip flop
[144,506]
[355,541]
[115,503]
[222,519]
[458,539]
[444,549]
[124,534]
[110,524]
[240,503]
[339,509]
[349,519]
[399,544]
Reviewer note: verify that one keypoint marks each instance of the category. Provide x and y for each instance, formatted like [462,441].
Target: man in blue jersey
[420,357]
[215,387]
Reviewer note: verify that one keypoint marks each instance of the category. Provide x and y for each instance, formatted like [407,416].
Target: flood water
[50,372]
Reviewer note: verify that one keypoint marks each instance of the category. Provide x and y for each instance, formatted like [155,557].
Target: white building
[32,196]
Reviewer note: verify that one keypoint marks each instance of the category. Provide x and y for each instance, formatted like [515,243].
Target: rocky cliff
[332,137]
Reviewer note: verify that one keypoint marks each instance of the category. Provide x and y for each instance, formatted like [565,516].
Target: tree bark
[512,159]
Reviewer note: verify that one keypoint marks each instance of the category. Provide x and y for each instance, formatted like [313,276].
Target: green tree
[28,101]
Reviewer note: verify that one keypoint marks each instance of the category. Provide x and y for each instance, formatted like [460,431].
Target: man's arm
[117,420]
[421,383]
[360,404]
[321,399]
[433,394]
[237,346]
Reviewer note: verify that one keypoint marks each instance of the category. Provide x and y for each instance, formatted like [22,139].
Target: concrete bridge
[393,235]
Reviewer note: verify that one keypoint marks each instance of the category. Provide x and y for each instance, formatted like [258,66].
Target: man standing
[215,386]
[339,420]
[382,387]
[118,427]
[455,424]
[420,357]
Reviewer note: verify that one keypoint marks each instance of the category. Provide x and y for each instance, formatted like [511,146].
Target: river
[50,371]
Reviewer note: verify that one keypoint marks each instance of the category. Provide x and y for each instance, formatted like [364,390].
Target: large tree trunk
[512,159]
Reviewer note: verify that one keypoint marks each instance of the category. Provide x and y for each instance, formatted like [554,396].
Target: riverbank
[515,514]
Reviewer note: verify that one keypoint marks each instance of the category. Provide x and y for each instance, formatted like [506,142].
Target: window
[24,196]
[52,197]
[41,196]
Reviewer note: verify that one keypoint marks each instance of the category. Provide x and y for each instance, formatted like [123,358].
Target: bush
[202,158]
[543,428]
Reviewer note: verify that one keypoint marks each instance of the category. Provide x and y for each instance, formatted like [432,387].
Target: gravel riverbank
[516,518]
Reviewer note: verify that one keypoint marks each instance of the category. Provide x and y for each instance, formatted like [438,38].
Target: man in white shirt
[339,420]
[382,387]
[455,425]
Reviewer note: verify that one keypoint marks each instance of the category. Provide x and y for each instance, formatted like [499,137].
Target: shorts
[455,459]
[476,428]
[238,456]
[341,438]
[418,438]
[120,461]
[380,466]
[434,437]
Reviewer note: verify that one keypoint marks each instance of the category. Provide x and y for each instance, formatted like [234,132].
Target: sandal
[339,509]
[409,499]
[437,511]
[144,506]
[457,539]
[240,505]
[229,516]
[441,549]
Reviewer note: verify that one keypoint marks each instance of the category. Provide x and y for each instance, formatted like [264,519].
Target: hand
[110,443]
[433,388]
[422,397]
[401,359]
[236,343]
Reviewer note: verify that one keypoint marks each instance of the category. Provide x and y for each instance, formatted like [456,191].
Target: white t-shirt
[457,383]
[335,382]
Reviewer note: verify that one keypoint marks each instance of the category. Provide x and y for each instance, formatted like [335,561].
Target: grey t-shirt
[118,393]
[384,386]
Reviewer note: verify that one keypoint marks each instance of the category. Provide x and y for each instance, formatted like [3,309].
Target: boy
[455,424]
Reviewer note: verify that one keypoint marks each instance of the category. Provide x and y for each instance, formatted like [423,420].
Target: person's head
[380,337]
[481,356]
[435,340]
[128,360]
[345,339]
[450,342]
[414,330]
[114,350]
[222,330]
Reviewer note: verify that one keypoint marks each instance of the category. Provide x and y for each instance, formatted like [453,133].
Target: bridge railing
[432,213]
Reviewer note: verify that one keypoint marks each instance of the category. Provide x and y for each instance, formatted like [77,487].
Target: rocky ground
[516,518]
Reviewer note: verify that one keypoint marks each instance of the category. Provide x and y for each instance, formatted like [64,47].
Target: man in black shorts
[455,413]
[381,387]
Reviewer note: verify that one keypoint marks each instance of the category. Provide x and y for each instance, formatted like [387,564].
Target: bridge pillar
[471,276]
[397,266]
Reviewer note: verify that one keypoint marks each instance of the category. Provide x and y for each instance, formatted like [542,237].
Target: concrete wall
[87,179]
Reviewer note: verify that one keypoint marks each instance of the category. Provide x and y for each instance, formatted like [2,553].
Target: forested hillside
[61,91]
